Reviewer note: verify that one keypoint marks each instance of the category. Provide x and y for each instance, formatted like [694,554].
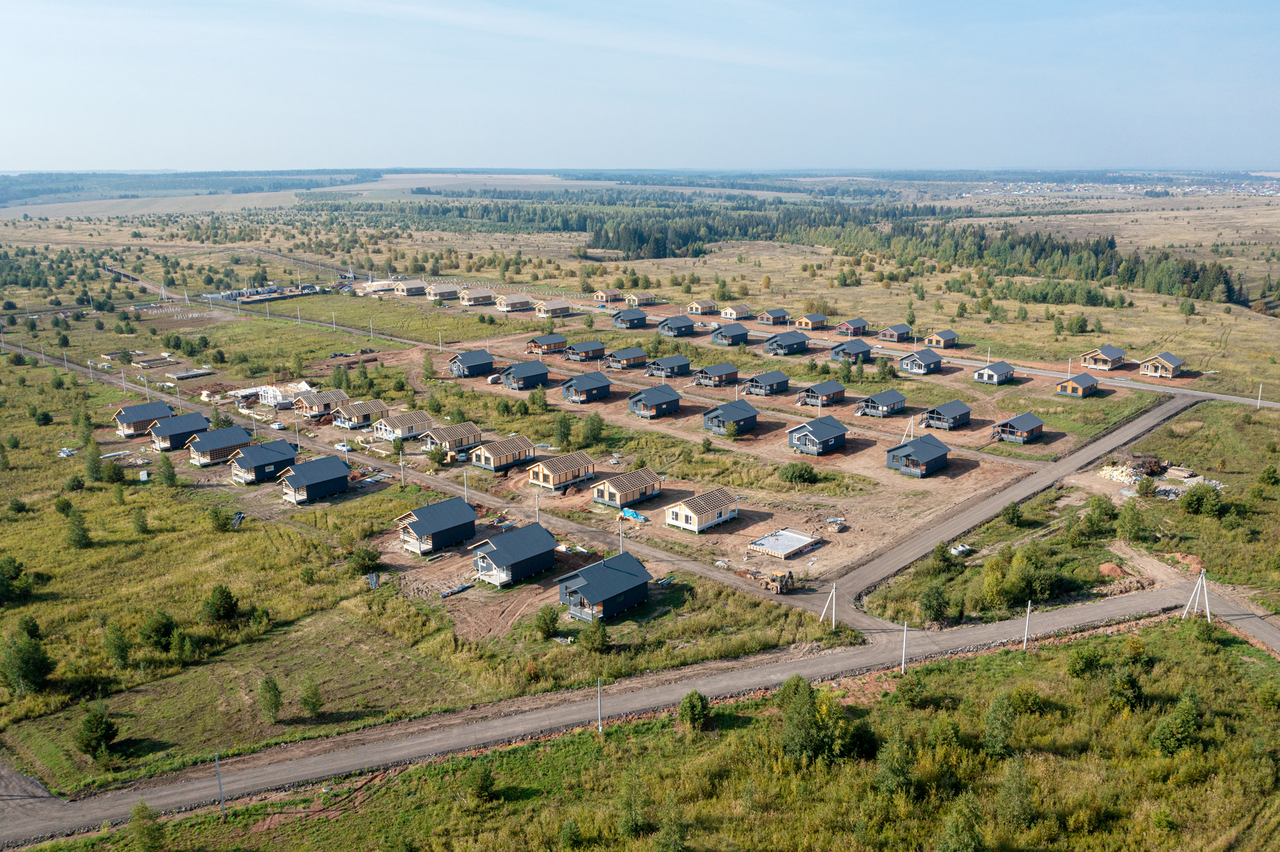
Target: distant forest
[15,188]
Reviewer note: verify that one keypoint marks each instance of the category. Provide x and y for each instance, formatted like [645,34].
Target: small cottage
[442,291]
[787,343]
[821,435]
[406,426]
[669,367]
[812,322]
[515,555]
[314,480]
[1078,386]
[676,327]
[767,384]
[853,350]
[920,363]
[608,294]
[823,393]
[630,318]
[546,343]
[654,402]
[464,365]
[587,387]
[217,446]
[317,404]
[354,414]
[1019,430]
[896,333]
[588,350]
[623,490]
[702,307]
[435,527]
[639,297]
[852,328]
[773,316]
[525,376]
[705,510]
[1103,358]
[737,312]
[261,462]
[945,339]
[475,296]
[134,420]
[950,415]
[994,374]
[882,404]
[626,359]
[410,288]
[717,375]
[500,455]
[172,433]
[738,413]
[606,588]
[1162,366]
[553,308]
[454,438]
[559,472]
[509,302]
[919,457]
[730,335]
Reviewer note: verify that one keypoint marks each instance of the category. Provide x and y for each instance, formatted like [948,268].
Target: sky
[285,84]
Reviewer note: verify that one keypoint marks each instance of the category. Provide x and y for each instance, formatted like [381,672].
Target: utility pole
[402,467]
[221,798]
[903,670]
[619,533]
[1026,630]
[599,706]
[537,515]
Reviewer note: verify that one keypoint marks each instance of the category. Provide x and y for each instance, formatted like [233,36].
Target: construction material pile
[1122,473]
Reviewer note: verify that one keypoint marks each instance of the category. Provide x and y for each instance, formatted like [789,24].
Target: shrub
[1011,514]
[998,727]
[28,626]
[219,519]
[962,831]
[116,644]
[310,699]
[910,690]
[221,606]
[25,666]
[480,783]
[1025,701]
[1269,476]
[1177,730]
[933,603]
[798,473]
[596,637]
[15,585]
[1124,692]
[364,560]
[1083,661]
[17,506]
[158,630]
[43,418]
[547,621]
[694,711]
[75,482]
[1201,499]
[146,831]
[269,700]
[96,732]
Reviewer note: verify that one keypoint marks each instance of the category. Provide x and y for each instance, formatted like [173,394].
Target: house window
[688,520]
[719,513]
[675,516]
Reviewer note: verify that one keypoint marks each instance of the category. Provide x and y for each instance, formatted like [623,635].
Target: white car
[344,447]
[277,425]
[495,379]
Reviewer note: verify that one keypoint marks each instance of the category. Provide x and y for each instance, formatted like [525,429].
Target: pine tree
[77,531]
[147,832]
[269,700]
[92,460]
[4,458]
[167,475]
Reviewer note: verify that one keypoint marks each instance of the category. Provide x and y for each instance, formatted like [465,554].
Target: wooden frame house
[854,350]
[740,311]
[587,350]
[717,375]
[811,322]
[945,339]
[359,414]
[1162,366]
[669,367]
[319,403]
[883,404]
[435,527]
[546,344]
[787,343]
[217,446]
[949,415]
[559,472]
[476,296]
[587,387]
[608,294]
[454,438]
[702,511]
[853,327]
[500,455]
[896,333]
[767,384]
[701,308]
[409,288]
[606,588]
[630,318]
[1079,386]
[511,302]
[918,457]
[477,362]
[405,425]
[773,316]
[638,298]
[133,421]
[654,402]
[817,437]
[525,376]
[261,462]
[315,480]
[553,308]
[631,358]
[680,326]
[921,362]
[627,488]
[821,394]
[739,412]
[994,374]
[514,555]
[1106,357]
[730,335]
[1022,429]
[442,291]
[172,433]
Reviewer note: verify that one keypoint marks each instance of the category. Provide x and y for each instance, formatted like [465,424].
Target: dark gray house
[216,446]
[587,388]
[767,384]
[525,375]
[1022,429]
[740,413]
[546,343]
[919,457]
[883,404]
[951,415]
[626,359]
[514,555]
[680,326]
[654,402]
[630,318]
[773,316]
[172,433]
[823,393]
[669,367]
[716,375]
[261,462]
[437,526]
[818,436]
[315,479]
[787,343]
[464,364]
[590,350]
[134,420]
[920,363]
[851,349]
[730,335]
[604,589]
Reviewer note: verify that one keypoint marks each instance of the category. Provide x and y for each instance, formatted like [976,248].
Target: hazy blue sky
[320,83]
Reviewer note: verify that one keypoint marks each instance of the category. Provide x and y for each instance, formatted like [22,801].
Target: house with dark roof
[354,414]
[654,402]
[626,359]
[587,387]
[882,404]
[630,318]
[787,343]
[739,412]
[773,316]
[717,375]
[135,420]
[994,374]
[453,438]
[920,363]
[823,393]
[669,367]
[730,335]
[1162,366]
[261,462]
[435,527]
[949,415]
[680,326]
[852,327]
[944,339]
[896,333]
[314,480]
[559,472]
[588,350]
[852,350]
[918,457]
[812,322]
[500,455]
[767,384]
[818,436]
[546,343]
[606,588]
[172,433]
[216,447]
[702,511]
[1078,386]
[1103,358]
[623,490]
[515,555]
[1021,429]
[467,364]
[525,375]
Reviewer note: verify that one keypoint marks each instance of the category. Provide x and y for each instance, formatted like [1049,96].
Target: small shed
[1162,366]
[509,302]
[625,489]
[654,402]
[559,472]
[435,527]
[918,457]
[896,333]
[315,479]
[587,387]
[852,327]
[525,375]
[606,588]
[920,363]
[172,433]
[717,375]
[475,296]
[630,318]
[944,339]
[1078,386]
[702,307]
[994,374]
[587,350]
[680,326]
[514,555]
[741,311]
[812,322]
[406,426]
[730,335]
[467,364]
[1103,358]
[135,420]
[216,447]
[454,438]
[357,414]
[546,343]
[773,316]
[669,367]
[640,297]
[949,415]
[853,350]
[626,359]
[702,511]
[823,393]
[767,384]
[553,308]
[740,413]
[787,343]
[1021,429]
[882,404]
[261,462]
[818,436]
[500,455]
[608,294]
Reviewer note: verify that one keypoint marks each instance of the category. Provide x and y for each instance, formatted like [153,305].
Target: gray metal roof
[734,411]
[681,321]
[888,397]
[1084,380]
[900,328]
[550,339]
[316,471]
[602,580]
[786,338]
[588,381]
[852,347]
[733,328]
[628,353]
[1024,422]
[999,368]
[821,428]
[770,378]
[1171,360]
[517,545]
[441,516]
[218,439]
[722,369]
[946,334]
[526,369]
[631,314]
[587,346]
[815,317]
[655,395]
[924,356]
[474,358]
[672,361]
[775,313]
[824,388]
[256,454]
[924,449]
[182,423]
[1110,352]
[954,408]
[145,411]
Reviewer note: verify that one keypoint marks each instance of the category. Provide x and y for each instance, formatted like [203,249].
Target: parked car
[277,425]
[495,379]
[344,447]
